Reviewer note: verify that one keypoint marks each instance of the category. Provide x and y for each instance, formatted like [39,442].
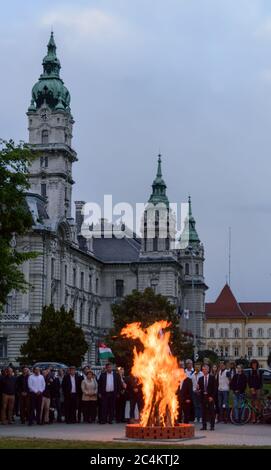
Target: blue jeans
[197,405]
[237,402]
[223,400]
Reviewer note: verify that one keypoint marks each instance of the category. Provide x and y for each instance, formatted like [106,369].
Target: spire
[50,87]
[159,186]
[189,234]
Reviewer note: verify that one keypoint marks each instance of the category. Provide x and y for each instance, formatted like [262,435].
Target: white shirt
[195,379]
[73,390]
[223,381]
[189,373]
[109,382]
[36,383]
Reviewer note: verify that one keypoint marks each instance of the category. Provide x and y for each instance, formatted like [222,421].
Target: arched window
[187,268]
[44,136]
[211,333]
[236,332]
[260,332]
[250,333]
[250,351]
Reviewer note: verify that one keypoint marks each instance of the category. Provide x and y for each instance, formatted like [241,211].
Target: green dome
[50,87]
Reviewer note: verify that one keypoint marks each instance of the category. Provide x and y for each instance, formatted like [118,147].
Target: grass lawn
[12,443]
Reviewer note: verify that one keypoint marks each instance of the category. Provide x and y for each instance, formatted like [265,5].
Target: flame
[158,372]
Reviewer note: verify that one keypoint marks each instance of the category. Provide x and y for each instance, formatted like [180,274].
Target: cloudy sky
[189,77]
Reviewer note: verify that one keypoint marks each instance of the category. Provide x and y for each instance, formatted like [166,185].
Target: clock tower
[50,125]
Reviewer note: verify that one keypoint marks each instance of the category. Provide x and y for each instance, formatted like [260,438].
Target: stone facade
[89,275]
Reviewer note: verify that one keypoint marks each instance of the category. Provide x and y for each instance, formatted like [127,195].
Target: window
[221,332]
[81,314]
[97,317]
[260,351]
[226,331]
[52,268]
[44,162]
[89,315]
[43,191]
[119,288]
[250,351]
[249,333]
[8,306]
[226,351]
[197,269]
[211,333]
[97,285]
[90,283]
[74,277]
[236,332]
[155,244]
[187,268]
[260,332]
[45,137]
[3,348]
[66,273]
[236,351]
[82,280]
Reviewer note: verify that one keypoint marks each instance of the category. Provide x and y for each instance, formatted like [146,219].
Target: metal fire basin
[180,431]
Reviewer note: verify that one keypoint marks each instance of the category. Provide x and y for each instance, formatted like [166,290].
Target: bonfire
[158,372]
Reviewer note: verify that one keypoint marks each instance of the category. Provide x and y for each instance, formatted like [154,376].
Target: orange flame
[158,372]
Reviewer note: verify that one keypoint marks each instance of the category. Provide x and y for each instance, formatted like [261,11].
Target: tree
[55,339]
[208,354]
[15,218]
[144,307]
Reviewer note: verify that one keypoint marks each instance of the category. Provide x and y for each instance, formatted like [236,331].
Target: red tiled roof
[226,306]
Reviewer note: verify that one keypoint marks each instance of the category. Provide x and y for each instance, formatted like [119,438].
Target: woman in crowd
[238,386]
[255,384]
[223,392]
[196,393]
[89,397]
[215,373]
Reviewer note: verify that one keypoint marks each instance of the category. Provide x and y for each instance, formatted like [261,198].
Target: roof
[116,250]
[227,307]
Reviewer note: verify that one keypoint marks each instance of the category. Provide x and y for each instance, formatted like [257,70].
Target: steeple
[189,234]
[50,87]
[159,187]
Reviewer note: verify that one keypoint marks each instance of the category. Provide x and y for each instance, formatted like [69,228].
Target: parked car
[51,365]
[266,374]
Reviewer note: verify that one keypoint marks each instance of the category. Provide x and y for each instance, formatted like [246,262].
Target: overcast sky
[189,77]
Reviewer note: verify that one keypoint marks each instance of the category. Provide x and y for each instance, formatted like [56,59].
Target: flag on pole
[105,352]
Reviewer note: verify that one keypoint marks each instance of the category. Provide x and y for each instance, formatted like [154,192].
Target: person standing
[89,388]
[189,368]
[238,386]
[186,401]
[23,393]
[215,372]
[71,386]
[135,395]
[36,385]
[121,400]
[46,396]
[207,389]
[109,389]
[8,386]
[223,392]
[255,383]
[196,393]
[57,394]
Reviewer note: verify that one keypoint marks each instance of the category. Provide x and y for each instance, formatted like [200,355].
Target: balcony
[15,317]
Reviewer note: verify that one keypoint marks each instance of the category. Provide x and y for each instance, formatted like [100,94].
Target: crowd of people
[46,396]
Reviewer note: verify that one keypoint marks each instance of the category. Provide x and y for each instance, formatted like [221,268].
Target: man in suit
[185,396]
[207,393]
[109,387]
[71,386]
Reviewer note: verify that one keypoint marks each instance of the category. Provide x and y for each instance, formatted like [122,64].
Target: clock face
[44,115]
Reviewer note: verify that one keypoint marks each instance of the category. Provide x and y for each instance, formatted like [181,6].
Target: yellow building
[238,329]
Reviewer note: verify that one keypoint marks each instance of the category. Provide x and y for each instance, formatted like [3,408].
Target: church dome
[50,87]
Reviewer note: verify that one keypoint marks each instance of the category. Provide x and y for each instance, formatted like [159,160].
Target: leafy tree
[208,354]
[55,339]
[15,218]
[144,307]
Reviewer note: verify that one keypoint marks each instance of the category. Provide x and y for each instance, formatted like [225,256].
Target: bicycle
[246,409]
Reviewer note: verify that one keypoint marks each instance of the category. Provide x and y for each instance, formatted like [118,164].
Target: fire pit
[158,372]
[179,431]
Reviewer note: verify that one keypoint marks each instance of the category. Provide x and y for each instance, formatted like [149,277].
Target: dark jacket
[67,385]
[22,384]
[102,383]
[255,379]
[134,388]
[239,383]
[8,385]
[186,392]
[49,381]
[211,388]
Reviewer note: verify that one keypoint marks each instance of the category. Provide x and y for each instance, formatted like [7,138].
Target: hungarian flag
[105,352]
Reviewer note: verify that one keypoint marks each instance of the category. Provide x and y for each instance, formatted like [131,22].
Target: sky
[188,78]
